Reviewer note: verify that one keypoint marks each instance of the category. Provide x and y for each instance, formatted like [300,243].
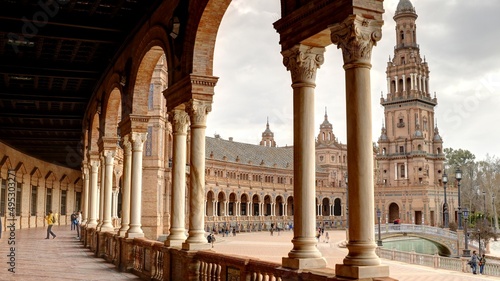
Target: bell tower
[410,158]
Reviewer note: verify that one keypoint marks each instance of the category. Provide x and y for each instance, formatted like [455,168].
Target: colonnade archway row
[120,126]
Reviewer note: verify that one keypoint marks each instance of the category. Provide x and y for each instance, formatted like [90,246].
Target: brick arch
[152,46]
[205,36]
[112,113]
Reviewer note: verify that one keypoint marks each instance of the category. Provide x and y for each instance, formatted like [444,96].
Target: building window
[321,158]
[48,200]
[401,149]
[402,171]
[333,158]
[34,196]
[18,198]
[63,202]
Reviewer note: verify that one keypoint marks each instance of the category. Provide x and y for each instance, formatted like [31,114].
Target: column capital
[109,155]
[198,111]
[180,120]
[303,61]
[137,139]
[356,36]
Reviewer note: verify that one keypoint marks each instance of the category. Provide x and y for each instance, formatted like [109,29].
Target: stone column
[109,156]
[303,61]
[198,111]
[127,172]
[180,121]
[356,36]
[86,186]
[135,229]
[94,169]
[101,191]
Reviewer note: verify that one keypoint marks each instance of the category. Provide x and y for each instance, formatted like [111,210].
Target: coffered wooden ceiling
[52,57]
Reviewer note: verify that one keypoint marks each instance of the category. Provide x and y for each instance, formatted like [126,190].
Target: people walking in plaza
[482,263]
[78,222]
[73,221]
[473,262]
[51,219]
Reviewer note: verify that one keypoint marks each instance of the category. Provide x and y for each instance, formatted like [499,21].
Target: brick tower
[410,157]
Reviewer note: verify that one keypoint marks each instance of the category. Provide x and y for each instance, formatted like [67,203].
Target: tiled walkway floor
[272,248]
[62,258]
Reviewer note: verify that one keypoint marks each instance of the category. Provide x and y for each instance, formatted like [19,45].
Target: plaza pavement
[60,259]
[263,246]
[64,258]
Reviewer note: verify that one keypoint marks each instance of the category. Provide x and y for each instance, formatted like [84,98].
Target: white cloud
[458,39]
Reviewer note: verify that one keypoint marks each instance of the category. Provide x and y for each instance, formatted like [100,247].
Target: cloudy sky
[459,39]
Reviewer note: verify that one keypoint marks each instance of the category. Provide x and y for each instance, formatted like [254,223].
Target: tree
[463,159]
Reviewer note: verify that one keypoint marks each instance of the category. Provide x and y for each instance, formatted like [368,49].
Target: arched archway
[289,206]
[232,204]
[268,205]
[255,204]
[393,212]
[337,207]
[221,200]
[325,205]
[210,203]
[278,211]
[244,205]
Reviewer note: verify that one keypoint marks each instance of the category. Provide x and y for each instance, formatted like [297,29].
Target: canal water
[410,244]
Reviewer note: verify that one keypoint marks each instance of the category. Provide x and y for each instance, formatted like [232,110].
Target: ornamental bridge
[449,243]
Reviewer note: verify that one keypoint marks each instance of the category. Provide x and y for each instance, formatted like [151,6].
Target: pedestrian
[473,262]
[51,219]
[234,231]
[327,237]
[73,221]
[482,262]
[78,223]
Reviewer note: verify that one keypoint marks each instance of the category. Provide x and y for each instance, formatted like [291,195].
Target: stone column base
[296,263]
[196,246]
[360,272]
[173,243]
[134,235]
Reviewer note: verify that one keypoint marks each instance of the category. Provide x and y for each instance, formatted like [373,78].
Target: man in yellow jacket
[51,219]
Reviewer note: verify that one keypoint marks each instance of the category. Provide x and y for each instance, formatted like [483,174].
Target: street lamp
[484,206]
[445,206]
[379,241]
[347,202]
[479,235]
[466,251]
[458,176]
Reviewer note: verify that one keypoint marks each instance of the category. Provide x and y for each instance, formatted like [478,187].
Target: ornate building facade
[410,158]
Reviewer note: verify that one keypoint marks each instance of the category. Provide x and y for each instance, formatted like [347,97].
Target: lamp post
[495,224]
[445,205]
[347,202]
[479,235]
[379,241]
[466,251]
[458,176]
[484,206]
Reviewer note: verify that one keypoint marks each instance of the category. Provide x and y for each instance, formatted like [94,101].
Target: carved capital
[179,120]
[356,36]
[303,61]
[198,111]
[109,156]
[126,145]
[138,140]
